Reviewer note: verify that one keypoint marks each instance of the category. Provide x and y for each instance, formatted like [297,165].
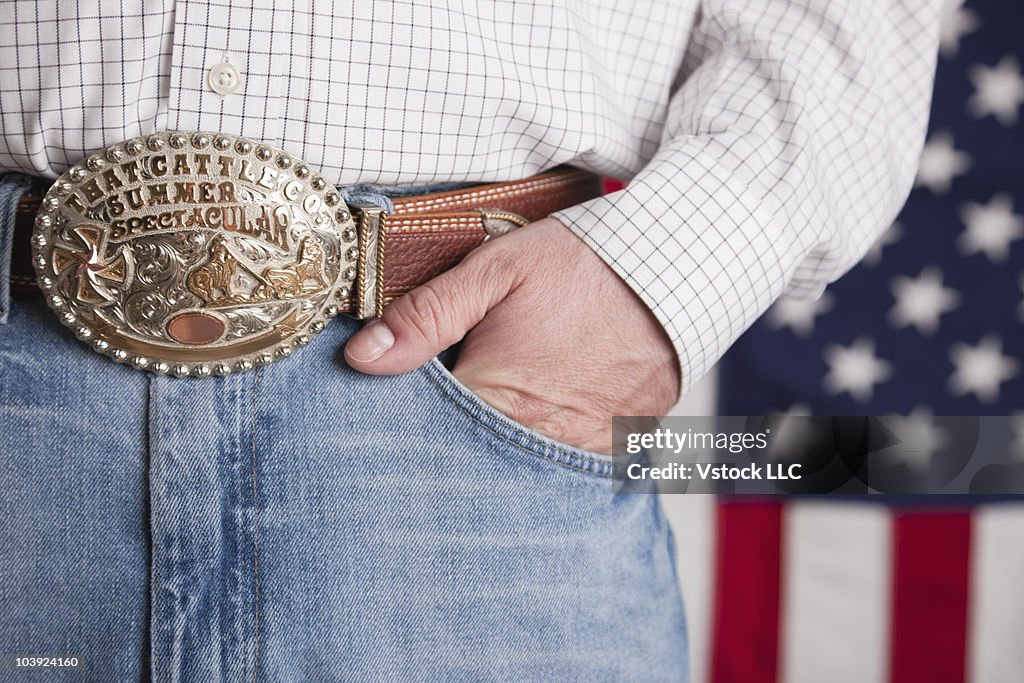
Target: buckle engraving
[194,253]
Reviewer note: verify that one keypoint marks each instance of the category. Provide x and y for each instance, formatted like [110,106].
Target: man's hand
[556,340]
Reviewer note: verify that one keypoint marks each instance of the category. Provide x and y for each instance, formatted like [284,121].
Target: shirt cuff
[696,243]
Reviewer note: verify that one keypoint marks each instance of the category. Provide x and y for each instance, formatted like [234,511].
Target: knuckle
[502,264]
[426,313]
[496,262]
[523,406]
[493,265]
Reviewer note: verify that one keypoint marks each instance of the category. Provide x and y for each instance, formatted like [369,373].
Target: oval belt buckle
[194,253]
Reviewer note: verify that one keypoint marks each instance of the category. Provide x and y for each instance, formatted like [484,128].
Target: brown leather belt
[425,234]
[197,254]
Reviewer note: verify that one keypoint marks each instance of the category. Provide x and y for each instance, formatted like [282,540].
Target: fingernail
[371,342]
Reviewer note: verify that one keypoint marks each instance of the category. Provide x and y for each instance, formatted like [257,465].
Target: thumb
[430,318]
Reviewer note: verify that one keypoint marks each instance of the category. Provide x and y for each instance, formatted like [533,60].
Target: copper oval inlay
[195,328]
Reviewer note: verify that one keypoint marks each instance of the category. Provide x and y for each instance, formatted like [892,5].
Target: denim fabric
[12,187]
[304,522]
[381,195]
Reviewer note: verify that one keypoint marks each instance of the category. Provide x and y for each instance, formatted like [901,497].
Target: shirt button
[223,78]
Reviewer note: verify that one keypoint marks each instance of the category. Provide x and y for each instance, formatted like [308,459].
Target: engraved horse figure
[305,276]
[211,281]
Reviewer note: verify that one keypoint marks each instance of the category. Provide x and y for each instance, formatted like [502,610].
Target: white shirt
[768,142]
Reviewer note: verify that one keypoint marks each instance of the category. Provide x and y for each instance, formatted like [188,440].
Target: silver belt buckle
[194,253]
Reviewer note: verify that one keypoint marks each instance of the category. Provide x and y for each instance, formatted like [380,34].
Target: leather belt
[196,253]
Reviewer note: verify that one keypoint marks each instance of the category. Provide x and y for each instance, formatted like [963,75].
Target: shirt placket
[214,42]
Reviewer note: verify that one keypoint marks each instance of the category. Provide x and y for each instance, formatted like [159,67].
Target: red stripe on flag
[748,580]
[930,588]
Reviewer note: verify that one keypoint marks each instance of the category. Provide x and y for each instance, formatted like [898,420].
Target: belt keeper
[498,222]
[370,269]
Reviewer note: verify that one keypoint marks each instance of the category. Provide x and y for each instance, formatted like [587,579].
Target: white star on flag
[798,314]
[990,228]
[921,301]
[855,369]
[981,369]
[798,409]
[940,162]
[955,25]
[998,91]
[890,236]
[920,438]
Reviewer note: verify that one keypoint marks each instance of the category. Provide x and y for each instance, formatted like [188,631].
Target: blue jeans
[303,522]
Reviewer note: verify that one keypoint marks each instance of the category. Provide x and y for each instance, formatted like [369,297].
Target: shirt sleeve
[790,144]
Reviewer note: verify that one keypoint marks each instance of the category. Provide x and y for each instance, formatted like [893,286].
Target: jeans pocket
[508,430]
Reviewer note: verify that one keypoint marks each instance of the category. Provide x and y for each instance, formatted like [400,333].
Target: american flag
[826,590]
[817,590]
